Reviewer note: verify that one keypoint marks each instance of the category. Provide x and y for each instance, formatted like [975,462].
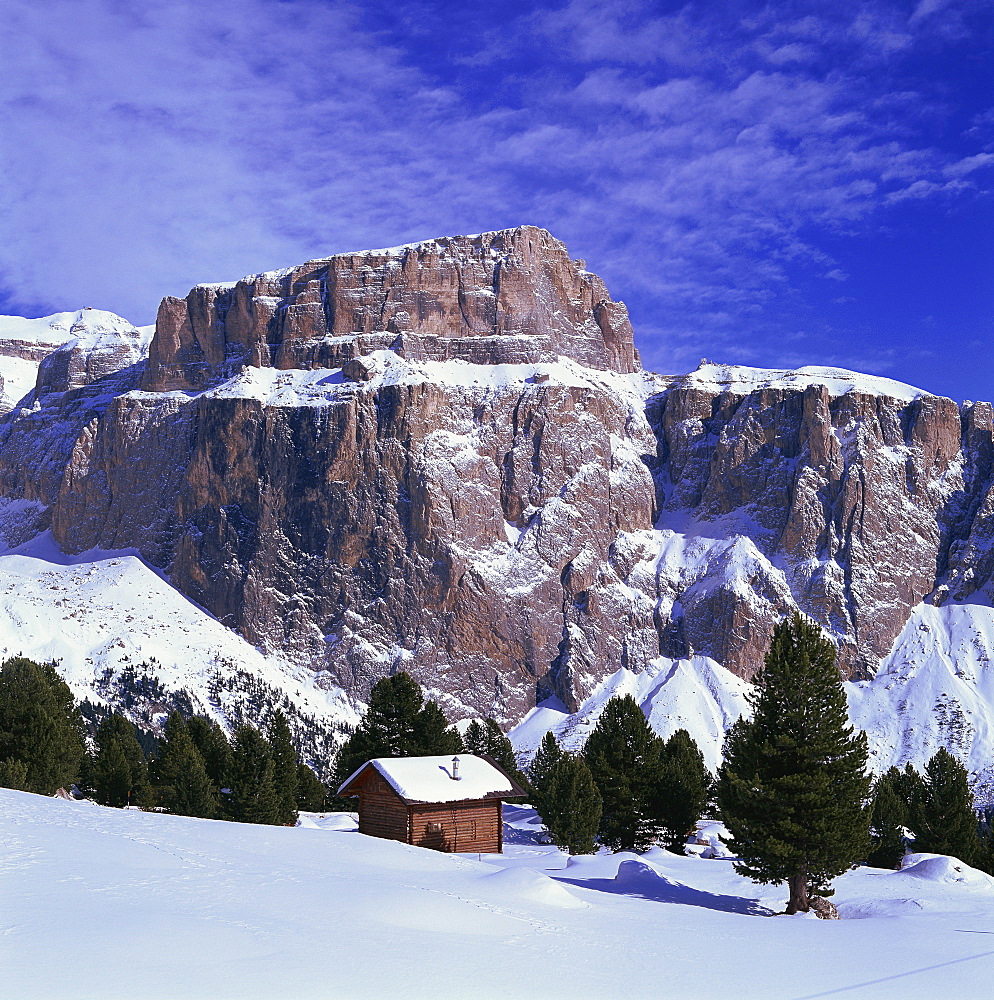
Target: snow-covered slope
[19,376]
[697,694]
[936,689]
[317,386]
[117,904]
[46,331]
[123,636]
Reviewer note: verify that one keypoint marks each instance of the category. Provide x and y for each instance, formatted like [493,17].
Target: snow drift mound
[942,868]
[637,875]
[532,886]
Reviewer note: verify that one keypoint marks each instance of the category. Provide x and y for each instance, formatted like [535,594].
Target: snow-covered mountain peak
[53,331]
[98,328]
[99,344]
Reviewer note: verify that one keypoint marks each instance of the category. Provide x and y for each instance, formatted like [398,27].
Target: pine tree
[392,719]
[475,739]
[14,774]
[623,754]
[909,786]
[433,733]
[119,773]
[571,805]
[501,751]
[985,837]
[112,776]
[388,729]
[793,788]
[888,818]
[941,815]
[254,797]
[284,755]
[546,757]
[184,787]
[42,742]
[684,789]
[311,794]
[398,723]
[215,750]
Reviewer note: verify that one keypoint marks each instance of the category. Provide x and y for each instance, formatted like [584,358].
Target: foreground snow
[106,903]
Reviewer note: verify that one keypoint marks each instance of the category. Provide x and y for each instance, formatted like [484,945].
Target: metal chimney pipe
[455,768]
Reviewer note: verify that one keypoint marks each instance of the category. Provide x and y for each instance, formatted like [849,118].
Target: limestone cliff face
[857,506]
[445,459]
[498,298]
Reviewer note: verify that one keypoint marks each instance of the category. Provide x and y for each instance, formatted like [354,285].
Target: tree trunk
[798,883]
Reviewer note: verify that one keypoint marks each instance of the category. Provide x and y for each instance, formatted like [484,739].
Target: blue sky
[771,184]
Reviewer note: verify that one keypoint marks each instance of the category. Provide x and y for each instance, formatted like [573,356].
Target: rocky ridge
[445,458]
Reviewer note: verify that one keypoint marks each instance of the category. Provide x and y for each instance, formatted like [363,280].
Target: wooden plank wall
[463,827]
[381,812]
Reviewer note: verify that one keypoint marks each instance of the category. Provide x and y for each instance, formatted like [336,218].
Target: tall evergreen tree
[500,750]
[888,818]
[184,787]
[14,774]
[388,729]
[475,738]
[623,754]
[909,786]
[215,750]
[571,805]
[793,788]
[546,757]
[985,836]
[311,794]
[684,789]
[285,762]
[42,742]
[253,798]
[398,723]
[119,773]
[433,733]
[942,816]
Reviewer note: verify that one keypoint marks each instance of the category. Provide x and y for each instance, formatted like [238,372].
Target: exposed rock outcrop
[99,345]
[851,502]
[509,297]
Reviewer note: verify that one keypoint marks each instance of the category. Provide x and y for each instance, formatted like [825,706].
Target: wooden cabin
[444,803]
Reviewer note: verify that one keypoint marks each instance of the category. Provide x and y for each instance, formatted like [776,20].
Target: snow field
[104,903]
[742,380]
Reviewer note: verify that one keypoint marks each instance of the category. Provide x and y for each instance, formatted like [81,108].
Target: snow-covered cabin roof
[429,779]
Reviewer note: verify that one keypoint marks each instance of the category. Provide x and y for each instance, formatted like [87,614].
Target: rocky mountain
[446,458]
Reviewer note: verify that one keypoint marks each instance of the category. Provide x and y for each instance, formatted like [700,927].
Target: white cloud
[968,164]
[926,7]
